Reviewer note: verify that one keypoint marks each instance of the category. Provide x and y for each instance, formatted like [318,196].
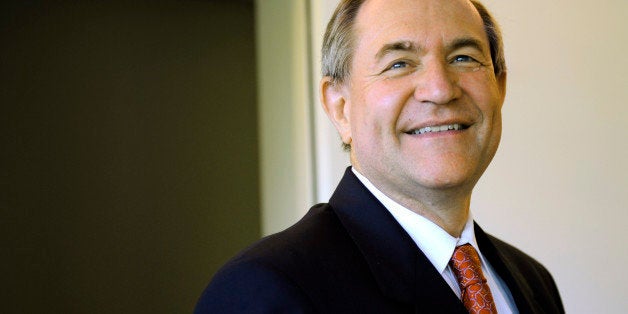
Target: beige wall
[284,112]
[560,178]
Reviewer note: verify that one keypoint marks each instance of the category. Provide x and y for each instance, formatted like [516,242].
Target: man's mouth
[439,128]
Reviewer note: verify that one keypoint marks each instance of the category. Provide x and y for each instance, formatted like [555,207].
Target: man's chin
[447,181]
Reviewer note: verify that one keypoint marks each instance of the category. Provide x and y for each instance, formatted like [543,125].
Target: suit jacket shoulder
[311,267]
[246,286]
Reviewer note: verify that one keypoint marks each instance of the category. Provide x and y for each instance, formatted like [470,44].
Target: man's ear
[337,106]
[501,84]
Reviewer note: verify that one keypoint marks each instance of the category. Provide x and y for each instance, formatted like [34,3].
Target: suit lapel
[506,268]
[401,270]
[432,293]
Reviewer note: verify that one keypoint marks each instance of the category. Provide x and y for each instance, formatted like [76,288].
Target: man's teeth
[437,128]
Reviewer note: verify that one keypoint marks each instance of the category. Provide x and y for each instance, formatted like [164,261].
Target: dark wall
[129,168]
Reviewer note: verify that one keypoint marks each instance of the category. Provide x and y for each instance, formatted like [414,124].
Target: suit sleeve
[249,287]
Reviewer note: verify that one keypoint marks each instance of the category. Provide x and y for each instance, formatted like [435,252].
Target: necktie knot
[466,266]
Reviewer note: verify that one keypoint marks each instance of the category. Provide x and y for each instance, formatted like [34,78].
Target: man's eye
[466,63]
[464,59]
[398,65]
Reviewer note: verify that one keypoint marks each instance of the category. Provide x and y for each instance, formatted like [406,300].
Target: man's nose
[437,84]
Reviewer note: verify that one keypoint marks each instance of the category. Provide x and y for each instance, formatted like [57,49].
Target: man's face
[421,66]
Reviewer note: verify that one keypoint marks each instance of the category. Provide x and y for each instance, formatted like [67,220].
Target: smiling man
[415,90]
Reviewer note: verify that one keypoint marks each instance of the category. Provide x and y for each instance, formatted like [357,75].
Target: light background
[557,187]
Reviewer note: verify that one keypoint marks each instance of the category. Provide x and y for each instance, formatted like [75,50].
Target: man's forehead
[416,20]
[396,10]
[416,4]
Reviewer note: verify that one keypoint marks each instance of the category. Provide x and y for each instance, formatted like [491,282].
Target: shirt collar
[437,245]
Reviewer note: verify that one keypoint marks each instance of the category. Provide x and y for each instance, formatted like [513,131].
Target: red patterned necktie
[476,295]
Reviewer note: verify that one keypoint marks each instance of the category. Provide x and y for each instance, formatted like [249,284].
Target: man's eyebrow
[396,46]
[465,42]
[408,46]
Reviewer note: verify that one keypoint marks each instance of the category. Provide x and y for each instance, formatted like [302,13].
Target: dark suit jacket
[351,256]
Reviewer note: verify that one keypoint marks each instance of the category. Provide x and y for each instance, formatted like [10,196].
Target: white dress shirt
[439,246]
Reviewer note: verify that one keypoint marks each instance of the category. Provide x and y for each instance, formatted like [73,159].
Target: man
[415,89]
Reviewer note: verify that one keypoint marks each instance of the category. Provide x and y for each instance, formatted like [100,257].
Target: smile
[438,128]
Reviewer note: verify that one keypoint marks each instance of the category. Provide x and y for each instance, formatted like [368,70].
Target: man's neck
[450,212]
[449,209]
